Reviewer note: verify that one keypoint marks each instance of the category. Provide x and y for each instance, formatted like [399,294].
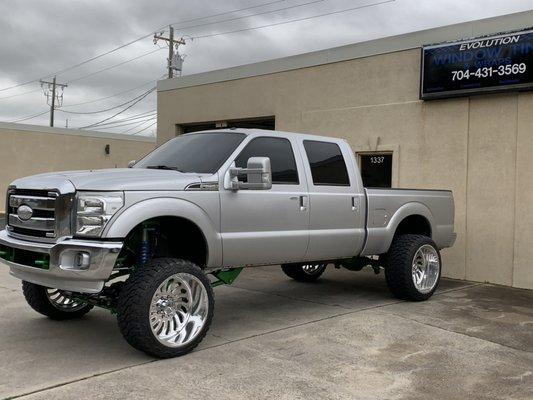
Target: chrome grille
[42,222]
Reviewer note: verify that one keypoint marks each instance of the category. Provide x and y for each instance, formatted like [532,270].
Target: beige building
[31,149]
[368,93]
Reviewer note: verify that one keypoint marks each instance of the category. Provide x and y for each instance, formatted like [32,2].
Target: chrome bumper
[63,271]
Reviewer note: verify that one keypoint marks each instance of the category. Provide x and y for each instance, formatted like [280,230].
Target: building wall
[29,149]
[477,146]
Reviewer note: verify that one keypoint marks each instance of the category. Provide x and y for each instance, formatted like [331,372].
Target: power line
[175,61]
[294,20]
[189,27]
[20,94]
[140,116]
[80,63]
[134,116]
[110,96]
[142,130]
[229,12]
[148,118]
[133,127]
[108,109]
[30,116]
[115,65]
[130,43]
[254,15]
[120,112]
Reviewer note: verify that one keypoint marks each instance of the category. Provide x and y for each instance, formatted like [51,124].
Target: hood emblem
[24,212]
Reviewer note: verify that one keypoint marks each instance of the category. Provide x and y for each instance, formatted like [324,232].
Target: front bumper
[62,270]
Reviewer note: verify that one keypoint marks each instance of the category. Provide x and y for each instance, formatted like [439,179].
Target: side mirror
[131,163]
[258,175]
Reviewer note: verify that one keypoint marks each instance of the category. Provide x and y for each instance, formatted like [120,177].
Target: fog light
[75,260]
[82,260]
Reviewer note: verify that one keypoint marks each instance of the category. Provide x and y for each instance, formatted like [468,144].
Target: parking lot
[343,337]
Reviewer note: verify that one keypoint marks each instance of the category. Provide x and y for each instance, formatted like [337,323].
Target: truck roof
[269,132]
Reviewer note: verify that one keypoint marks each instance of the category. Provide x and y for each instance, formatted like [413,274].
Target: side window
[279,150]
[327,163]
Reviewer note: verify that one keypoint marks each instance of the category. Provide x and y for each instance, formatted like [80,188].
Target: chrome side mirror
[258,175]
[131,163]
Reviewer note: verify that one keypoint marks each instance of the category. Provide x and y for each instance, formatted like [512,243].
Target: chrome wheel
[178,310]
[426,268]
[62,302]
[312,269]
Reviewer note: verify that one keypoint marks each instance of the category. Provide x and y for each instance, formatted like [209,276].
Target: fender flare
[121,224]
[379,239]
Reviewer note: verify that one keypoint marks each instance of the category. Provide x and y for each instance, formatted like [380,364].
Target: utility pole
[171,43]
[52,95]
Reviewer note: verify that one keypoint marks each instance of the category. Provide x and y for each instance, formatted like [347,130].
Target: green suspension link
[226,277]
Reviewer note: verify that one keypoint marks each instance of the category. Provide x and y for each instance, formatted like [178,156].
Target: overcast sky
[39,37]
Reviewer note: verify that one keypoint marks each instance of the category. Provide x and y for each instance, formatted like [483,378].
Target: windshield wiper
[163,167]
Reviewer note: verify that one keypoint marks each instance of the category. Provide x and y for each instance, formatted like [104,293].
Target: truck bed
[386,208]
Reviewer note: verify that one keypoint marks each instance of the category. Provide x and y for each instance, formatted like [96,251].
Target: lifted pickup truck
[151,241]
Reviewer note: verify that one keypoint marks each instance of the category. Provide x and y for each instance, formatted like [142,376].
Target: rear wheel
[305,272]
[412,267]
[165,308]
[53,303]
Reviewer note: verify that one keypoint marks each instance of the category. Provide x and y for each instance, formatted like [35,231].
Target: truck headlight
[94,210]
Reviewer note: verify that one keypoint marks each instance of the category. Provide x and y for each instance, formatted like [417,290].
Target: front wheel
[306,272]
[165,308]
[412,267]
[53,303]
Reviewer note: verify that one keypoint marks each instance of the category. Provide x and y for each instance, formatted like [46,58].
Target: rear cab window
[327,164]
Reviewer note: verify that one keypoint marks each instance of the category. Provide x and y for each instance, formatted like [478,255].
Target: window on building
[376,169]
[281,156]
[327,163]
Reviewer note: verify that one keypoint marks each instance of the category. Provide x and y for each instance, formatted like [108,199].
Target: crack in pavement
[229,342]
[456,332]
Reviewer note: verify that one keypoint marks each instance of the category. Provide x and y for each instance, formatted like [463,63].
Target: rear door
[337,220]
[261,227]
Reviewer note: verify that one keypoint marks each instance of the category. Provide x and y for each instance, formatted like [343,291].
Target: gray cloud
[38,37]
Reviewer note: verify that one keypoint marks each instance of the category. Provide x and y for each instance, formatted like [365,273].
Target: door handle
[304,202]
[355,203]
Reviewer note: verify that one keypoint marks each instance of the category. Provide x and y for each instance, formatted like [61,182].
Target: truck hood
[110,179]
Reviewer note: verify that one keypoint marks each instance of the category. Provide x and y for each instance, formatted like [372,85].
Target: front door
[261,227]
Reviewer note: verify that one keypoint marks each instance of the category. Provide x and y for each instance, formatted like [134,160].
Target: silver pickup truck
[151,241]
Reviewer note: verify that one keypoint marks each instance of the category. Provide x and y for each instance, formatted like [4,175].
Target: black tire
[39,299]
[301,273]
[398,264]
[134,302]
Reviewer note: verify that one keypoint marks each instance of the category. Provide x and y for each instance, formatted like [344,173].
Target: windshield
[198,152]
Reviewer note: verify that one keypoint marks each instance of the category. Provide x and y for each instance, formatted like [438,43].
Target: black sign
[376,170]
[496,63]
